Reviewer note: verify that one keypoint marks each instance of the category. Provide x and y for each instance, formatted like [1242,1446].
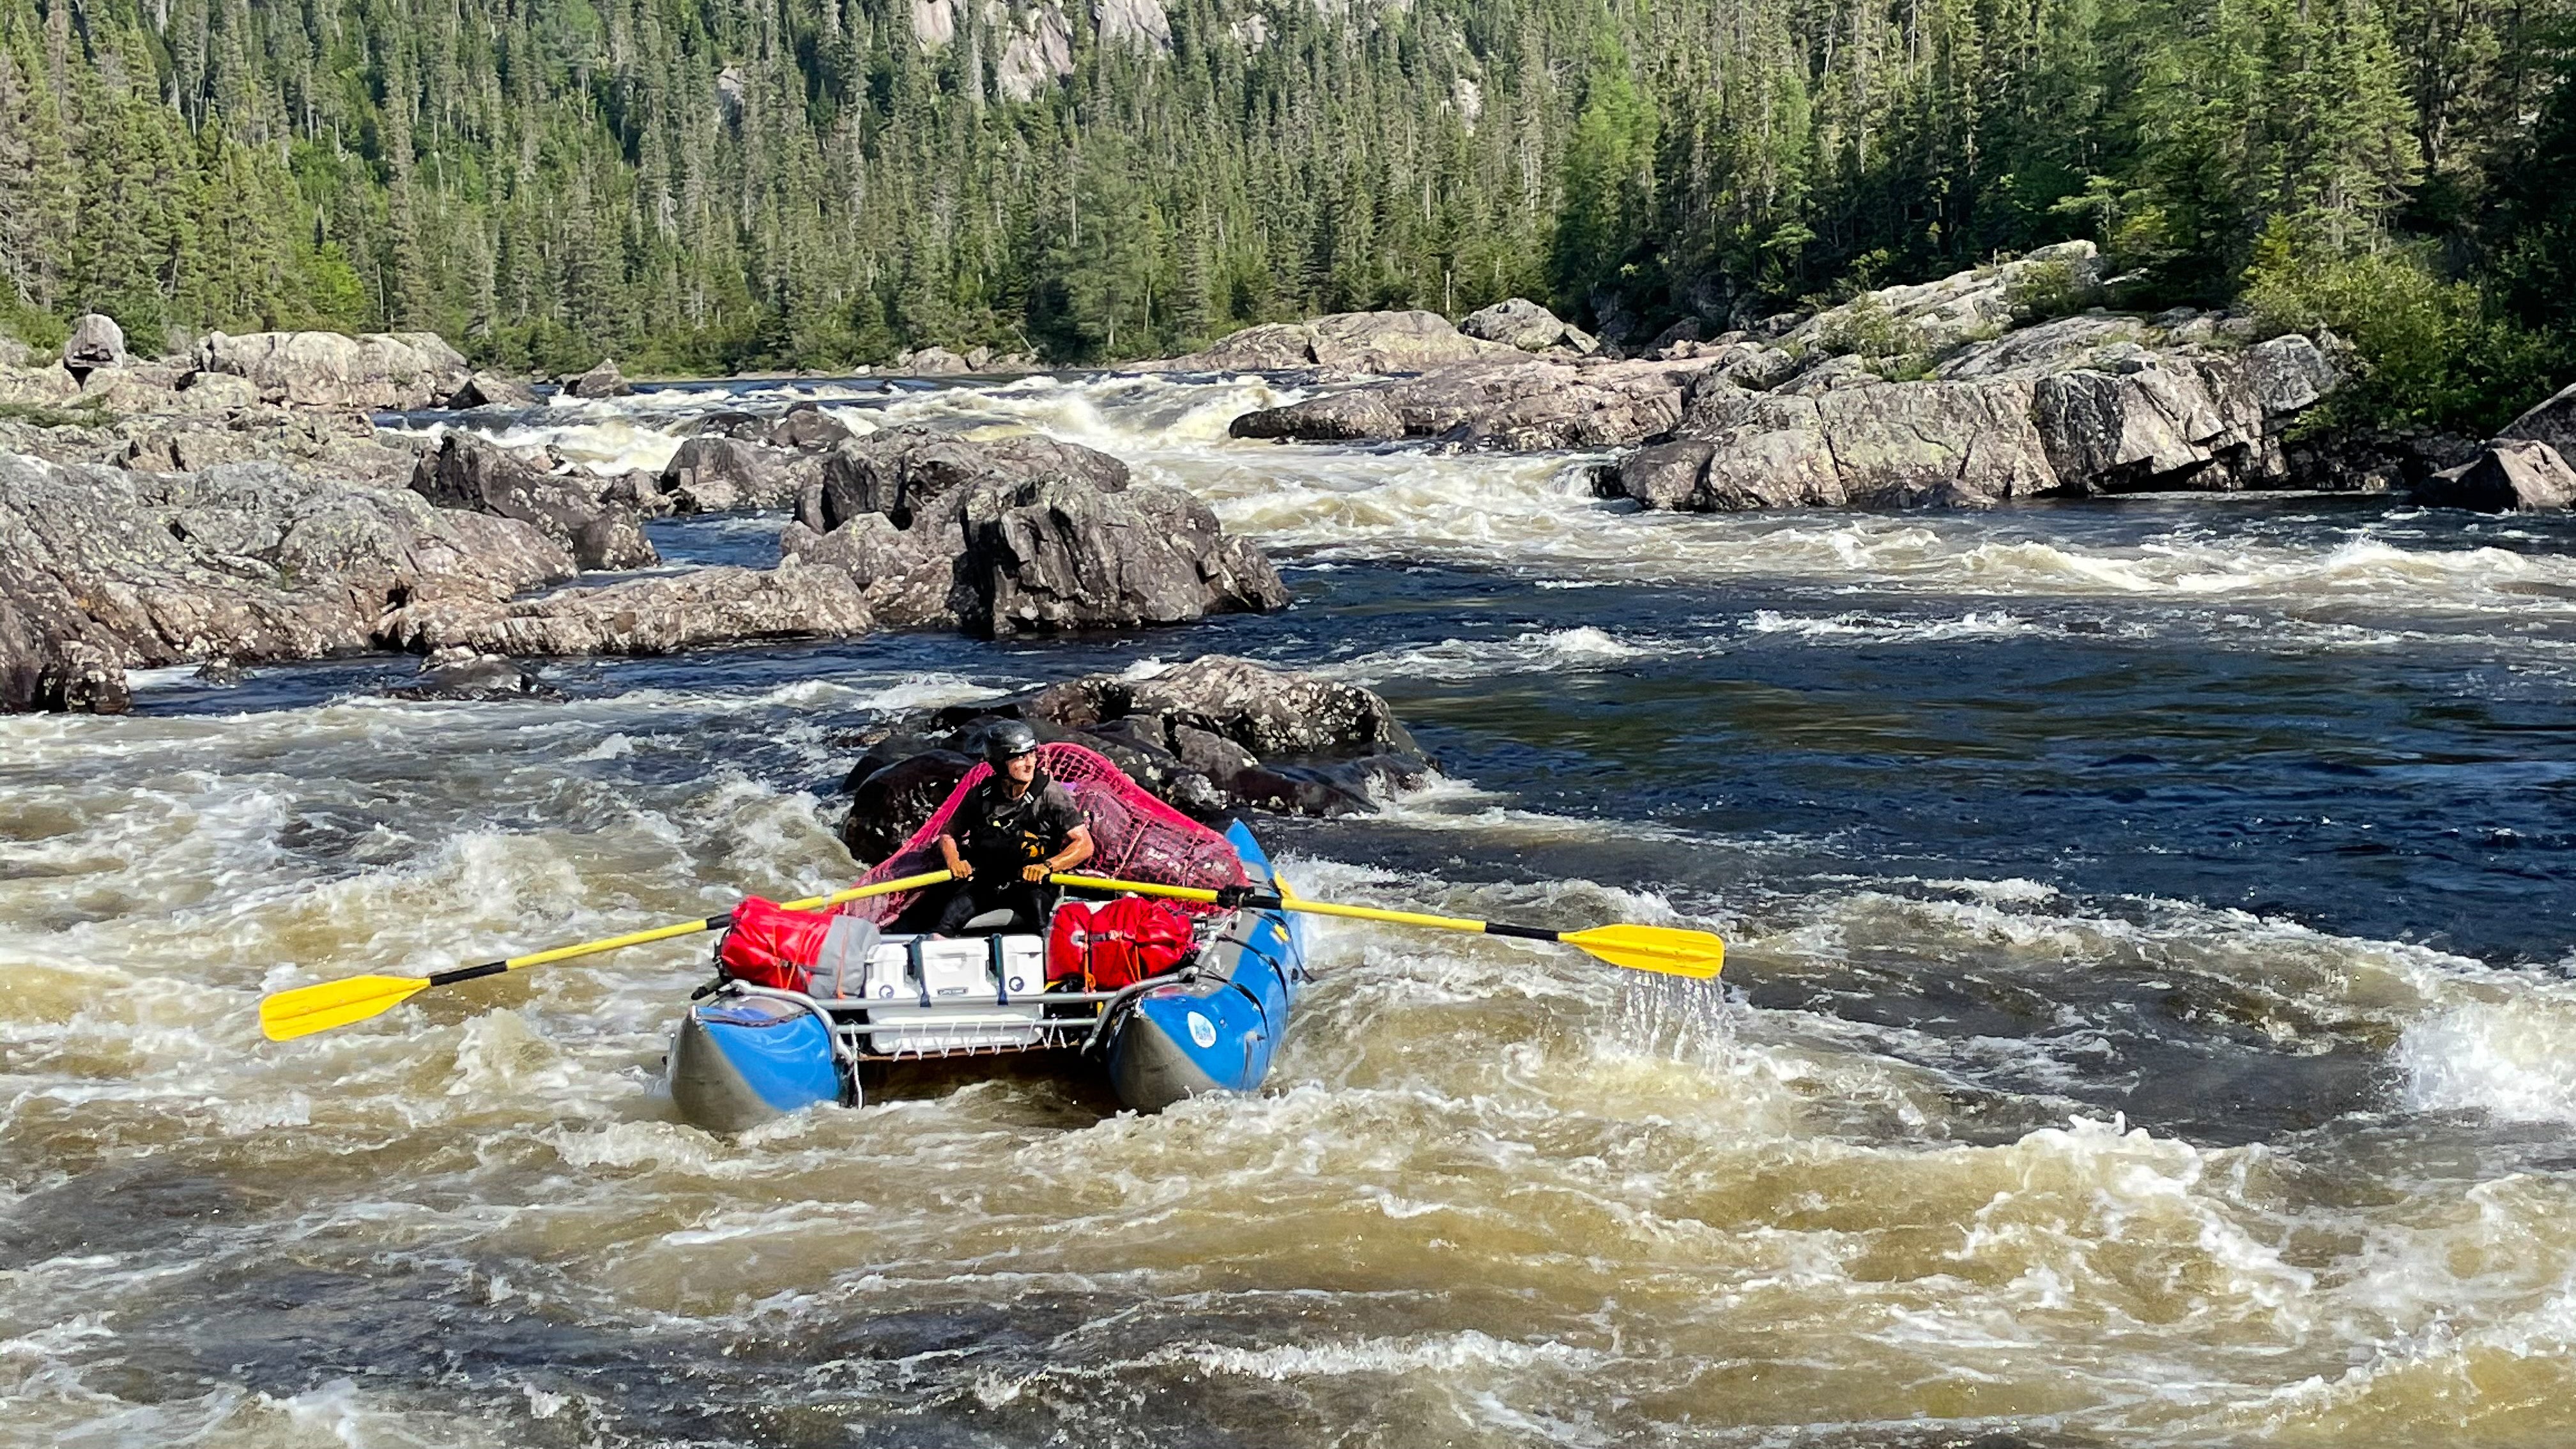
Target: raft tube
[743,1057]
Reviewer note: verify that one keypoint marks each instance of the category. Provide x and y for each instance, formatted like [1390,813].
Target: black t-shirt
[997,833]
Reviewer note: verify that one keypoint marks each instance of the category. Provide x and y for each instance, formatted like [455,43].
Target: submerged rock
[1211,737]
[462,674]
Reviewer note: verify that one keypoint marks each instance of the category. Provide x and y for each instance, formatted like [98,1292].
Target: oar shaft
[676,929]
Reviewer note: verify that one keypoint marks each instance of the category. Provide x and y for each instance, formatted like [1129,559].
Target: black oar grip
[1525,933]
[467,973]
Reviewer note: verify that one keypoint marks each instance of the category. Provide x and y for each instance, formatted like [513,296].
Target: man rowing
[1011,832]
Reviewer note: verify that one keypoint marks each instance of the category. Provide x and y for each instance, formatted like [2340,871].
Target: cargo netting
[1134,836]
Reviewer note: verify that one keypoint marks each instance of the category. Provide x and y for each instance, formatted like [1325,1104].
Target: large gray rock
[716,474]
[904,471]
[1895,445]
[2158,424]
[1529,403]
[931,362]
[806,426]
[1342,342]
[1057,556]
[1522,323]
[643,616]
[398,370]
[602,381]
[96,342]
[491,390]
[103,570]
[2551,421]
[2511,474]
[468,472]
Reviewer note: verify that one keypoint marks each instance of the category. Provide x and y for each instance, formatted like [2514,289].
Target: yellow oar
[1666,949]
[308,1009]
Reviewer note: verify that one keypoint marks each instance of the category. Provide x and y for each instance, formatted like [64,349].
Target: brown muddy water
[2147,1022]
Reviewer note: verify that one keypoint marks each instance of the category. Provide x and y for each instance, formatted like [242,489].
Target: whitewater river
[2148,1019]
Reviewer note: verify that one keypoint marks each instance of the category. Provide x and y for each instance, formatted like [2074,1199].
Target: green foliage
[2435,354]
[2043,290]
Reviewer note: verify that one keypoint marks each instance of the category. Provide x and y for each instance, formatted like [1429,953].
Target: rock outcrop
[1019,535]
[491,390]
[467,472]
[643,616]
[396,370]
[105,569]
[1526,404]
[96,342]
[1211,737]
[1378,342]
[1522,323]
[716,474]
[2511,473]
[2551,421]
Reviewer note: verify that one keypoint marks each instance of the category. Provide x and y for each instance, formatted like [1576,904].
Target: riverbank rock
[2551,421]
[1529,404]
[96,342]
[1526,325]
[467,472]
[380,370]
[1019,535]
[1212,737]
[2510,474]
[490,390]
[603,381]
[1343,342]
[104,570]
[931,362]
[644,616]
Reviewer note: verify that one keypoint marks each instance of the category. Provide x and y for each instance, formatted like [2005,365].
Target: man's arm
[956,863]
[1077,849]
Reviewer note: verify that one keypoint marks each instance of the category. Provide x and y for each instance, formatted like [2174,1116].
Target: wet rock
[462,674]
[470,473]
[1342,342]
[1060,555]
[1526,325]
[2551,421]
[902,472]
[1528,404]
[806,426]
[602,381]
[717,474]
[644,616]
[221,673]
[398,370]
[1211,737]
[96,342]
[491,390]
[2511,474]
[104,570]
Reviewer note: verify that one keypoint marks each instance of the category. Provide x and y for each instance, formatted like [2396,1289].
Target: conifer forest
[708,185]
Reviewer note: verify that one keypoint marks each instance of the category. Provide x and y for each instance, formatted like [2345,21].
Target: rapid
[2151,989]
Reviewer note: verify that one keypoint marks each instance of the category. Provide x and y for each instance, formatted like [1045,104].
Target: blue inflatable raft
[747,1054]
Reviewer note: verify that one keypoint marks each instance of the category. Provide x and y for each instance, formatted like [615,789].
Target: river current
[2147,1018]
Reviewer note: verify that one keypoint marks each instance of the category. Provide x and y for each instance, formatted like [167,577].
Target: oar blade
[320,1007]
[1668,950]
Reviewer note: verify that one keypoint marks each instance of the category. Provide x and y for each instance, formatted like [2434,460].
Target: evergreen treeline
[704,185]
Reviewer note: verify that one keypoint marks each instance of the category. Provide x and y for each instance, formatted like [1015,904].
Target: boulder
[716,474]
[462,674]
[398,370]
[104,569]
[96,342]
[470,473]
[2511,474]
[491,390]
[932,362]
[2551,421]
[806,426]
[1342,342]
[661,615]
[2158,423]
[1526,325]
[892,795]
[1529,403]
[902,471]
[602,381]
[1060,555]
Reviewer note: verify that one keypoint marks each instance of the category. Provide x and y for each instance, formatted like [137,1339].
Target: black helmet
[1008,741]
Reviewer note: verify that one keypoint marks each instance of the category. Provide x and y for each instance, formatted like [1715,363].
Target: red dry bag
[1116,944]
[769,945]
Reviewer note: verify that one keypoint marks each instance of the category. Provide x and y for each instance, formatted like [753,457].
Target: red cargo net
[1133,835]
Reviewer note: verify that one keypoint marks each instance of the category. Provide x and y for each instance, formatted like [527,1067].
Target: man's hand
[1036,873]
[962,871]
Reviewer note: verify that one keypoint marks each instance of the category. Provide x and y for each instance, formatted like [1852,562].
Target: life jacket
[1116,944]
[820,953]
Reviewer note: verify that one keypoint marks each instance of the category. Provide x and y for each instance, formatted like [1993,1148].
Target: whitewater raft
[747,1054]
